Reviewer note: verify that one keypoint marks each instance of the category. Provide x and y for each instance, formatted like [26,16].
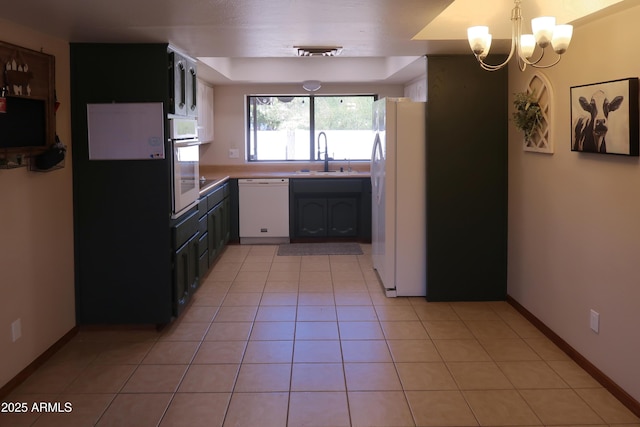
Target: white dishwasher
[264,210]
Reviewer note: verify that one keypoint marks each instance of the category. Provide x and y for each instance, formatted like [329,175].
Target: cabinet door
[192,89]
[203,265]
[185,277]
[205,112]
[226,220]
[311,217]
[194,263]
[219,215]
[215,230]
[178,89]
[213,238]
[342,218]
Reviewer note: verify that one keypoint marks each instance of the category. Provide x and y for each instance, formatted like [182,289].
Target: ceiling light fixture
[545,32]
[318,50]
[311,85]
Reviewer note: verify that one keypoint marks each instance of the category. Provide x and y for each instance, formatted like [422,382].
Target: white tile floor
[312,341]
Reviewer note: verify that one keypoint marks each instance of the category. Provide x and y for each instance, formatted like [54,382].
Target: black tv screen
[24,123]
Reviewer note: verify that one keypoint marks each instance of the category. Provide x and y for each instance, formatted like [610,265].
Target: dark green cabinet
[226,220]
[330,208]
[203,239]
[203,254]
[216,239]
[215,225]
[186,258]
[183,81]
[310,217]
[185,274]
[342,216]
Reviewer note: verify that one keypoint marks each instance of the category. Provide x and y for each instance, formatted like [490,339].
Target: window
[287,127]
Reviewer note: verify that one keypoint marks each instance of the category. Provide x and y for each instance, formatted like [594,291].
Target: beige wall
[574,218]
[229,114]
[36,240]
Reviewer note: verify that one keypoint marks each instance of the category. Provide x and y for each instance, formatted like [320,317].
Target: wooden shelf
[26,75]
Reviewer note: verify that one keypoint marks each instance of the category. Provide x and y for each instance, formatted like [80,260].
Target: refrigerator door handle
[376,147]
[376,158]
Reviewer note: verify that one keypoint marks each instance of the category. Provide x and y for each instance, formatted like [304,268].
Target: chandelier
[545,33]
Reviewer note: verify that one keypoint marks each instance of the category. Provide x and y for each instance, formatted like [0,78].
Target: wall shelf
[27,120]
[14,158]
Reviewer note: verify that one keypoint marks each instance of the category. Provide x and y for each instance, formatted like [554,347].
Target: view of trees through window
[287,127]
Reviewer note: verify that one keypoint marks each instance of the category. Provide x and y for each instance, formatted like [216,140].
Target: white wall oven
[186,158]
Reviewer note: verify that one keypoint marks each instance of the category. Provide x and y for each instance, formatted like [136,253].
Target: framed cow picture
[604,117]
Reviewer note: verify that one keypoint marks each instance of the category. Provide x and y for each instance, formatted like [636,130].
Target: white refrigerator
[398,183]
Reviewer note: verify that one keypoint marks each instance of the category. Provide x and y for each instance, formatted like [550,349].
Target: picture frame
[604,117]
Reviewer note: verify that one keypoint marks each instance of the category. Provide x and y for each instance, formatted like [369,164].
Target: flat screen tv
[24,124]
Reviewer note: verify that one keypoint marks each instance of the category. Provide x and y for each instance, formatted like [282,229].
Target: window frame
[312,131]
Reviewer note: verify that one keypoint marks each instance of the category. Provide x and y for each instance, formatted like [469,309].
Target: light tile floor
[313,341]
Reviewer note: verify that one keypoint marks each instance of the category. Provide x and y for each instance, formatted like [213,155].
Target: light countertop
[216,175]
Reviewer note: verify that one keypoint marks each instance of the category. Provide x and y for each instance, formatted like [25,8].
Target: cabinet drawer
[202,206]
[202,225]
[215,197]
[185,229]
[203,243]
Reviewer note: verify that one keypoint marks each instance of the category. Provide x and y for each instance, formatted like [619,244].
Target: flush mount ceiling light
[545,33]
[318,50]
[311,85]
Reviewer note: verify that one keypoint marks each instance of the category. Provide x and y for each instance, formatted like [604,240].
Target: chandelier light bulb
[487,46]
[527,45]
[543,29]
[561,38]
[478,37]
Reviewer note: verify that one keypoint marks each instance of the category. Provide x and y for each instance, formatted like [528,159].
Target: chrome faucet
[326,151]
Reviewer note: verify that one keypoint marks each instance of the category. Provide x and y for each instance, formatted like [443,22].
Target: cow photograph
[604,117]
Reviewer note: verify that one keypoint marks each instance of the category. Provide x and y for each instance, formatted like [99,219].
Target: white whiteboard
[126,131]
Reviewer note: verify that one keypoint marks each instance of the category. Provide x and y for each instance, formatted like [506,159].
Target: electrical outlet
[16,330]
[594,321]
[234,153]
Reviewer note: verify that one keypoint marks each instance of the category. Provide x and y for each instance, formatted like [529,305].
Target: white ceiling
[249,41]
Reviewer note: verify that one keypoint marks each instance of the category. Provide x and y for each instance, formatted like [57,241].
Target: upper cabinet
[183,85]
[205,111]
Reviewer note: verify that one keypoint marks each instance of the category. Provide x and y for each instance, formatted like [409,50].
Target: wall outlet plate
[16,330]
[594,321]
[234,153]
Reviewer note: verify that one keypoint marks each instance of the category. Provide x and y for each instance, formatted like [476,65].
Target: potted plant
[528,114]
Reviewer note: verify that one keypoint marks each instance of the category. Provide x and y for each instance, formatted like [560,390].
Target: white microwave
[183,129]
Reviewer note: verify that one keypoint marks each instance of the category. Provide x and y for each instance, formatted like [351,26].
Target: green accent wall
[467,119]
[121,207]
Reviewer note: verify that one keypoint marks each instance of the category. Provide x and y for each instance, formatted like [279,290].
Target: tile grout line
[244,352]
